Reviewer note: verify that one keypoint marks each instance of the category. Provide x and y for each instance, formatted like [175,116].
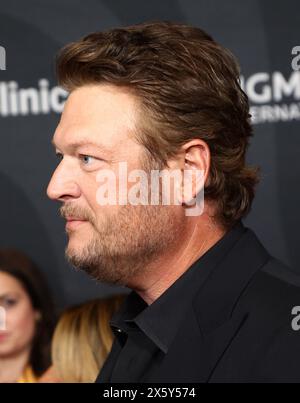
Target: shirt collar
[161,320]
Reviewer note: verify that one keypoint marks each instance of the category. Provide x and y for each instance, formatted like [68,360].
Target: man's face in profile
[97,132]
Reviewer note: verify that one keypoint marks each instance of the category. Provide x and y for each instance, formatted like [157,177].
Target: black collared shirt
[145,333]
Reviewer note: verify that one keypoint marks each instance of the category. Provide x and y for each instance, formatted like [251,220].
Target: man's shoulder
[271,302]
[274,285]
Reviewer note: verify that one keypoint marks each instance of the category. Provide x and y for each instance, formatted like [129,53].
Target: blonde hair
[83,339]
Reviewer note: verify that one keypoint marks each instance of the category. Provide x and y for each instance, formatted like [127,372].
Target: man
[208,302]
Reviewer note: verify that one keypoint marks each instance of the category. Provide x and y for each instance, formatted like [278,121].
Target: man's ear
[195,163]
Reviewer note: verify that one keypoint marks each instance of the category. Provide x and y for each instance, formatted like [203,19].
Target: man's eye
[86,159]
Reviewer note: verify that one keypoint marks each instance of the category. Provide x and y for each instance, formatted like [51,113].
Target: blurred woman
[27,319]
[82,341]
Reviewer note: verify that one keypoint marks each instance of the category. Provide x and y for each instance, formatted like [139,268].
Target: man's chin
[78,240]
[77,261]
[74,252]
[95,271]
[74,248]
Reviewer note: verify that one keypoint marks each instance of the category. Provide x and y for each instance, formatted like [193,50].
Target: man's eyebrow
[74,146]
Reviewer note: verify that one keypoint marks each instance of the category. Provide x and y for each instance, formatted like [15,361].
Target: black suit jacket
[238,327]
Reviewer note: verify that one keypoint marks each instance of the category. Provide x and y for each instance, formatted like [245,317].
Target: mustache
[69,210]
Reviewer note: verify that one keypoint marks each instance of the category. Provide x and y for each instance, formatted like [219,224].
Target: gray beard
[124,245]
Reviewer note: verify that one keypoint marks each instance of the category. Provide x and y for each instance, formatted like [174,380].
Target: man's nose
[63,185]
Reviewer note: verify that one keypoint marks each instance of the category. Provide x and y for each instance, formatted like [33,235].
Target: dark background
[260,33]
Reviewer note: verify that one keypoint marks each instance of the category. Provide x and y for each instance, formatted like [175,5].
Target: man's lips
[73,218]
[74,222]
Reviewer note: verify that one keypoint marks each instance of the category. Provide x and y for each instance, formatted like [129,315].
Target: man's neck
[167,268]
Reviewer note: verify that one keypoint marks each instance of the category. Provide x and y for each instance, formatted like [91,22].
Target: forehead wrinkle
[114,127]
[72,146]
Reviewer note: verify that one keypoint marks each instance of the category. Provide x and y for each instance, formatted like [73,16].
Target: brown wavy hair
[188,87]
